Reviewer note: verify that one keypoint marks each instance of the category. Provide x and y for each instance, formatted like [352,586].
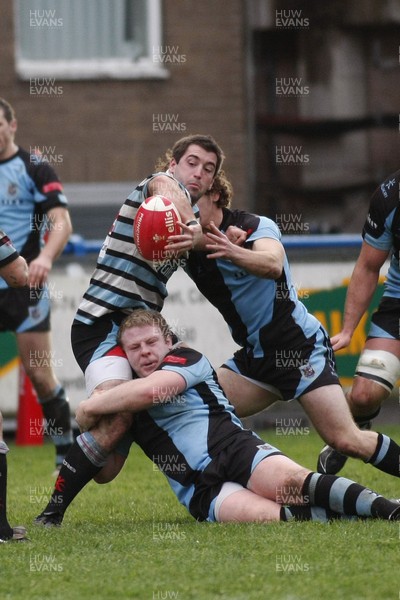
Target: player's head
[7,111]
[146,338]
[194,161]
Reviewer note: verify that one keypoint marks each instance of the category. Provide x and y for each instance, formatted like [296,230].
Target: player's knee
[376,373]
[366,396]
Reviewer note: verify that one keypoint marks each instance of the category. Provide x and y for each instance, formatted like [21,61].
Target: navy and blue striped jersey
[382,229]
[258,311]
[183,434]
[123,280]
[29,188]
[7,251]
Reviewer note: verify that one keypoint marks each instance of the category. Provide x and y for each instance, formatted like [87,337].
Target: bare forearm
[359,295]
[267,265]
[131,396]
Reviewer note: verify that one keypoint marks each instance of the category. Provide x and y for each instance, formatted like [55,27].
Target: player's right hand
[340,340]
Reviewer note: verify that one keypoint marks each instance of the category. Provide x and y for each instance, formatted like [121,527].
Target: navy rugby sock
[346,497]
[386,457]
[76,472]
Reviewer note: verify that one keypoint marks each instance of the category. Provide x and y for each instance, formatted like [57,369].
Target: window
[88,39]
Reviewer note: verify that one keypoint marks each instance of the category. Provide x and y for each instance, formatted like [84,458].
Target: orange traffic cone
[30,423]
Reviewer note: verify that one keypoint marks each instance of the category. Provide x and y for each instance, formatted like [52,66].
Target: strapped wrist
[192,222]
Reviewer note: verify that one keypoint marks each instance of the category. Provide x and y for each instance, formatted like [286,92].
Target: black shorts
[235,463]
[25,309]
[385,321]
[291,372]
[90,342]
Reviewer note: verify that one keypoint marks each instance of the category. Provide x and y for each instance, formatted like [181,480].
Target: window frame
[99,68]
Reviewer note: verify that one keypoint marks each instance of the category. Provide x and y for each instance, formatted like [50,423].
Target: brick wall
[103,130]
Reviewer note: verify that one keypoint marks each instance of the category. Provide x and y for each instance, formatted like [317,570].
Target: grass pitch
[131,539]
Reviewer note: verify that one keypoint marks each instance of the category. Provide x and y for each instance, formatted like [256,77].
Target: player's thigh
[245,506]
[389,345]
[246,396]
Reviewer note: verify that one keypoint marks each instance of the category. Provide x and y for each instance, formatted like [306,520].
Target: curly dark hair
[222,186]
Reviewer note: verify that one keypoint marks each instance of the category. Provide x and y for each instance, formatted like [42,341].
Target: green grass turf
[131,539]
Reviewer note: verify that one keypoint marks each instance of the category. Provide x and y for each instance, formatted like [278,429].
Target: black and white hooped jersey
[260,312]
[123,280]
[29,188]
[382,228]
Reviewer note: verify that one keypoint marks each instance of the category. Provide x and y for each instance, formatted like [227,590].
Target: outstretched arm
[265,259]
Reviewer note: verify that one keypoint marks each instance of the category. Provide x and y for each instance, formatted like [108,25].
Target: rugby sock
[83,461]
[345,497]
[6,531]
[58,422]
[386,457]
[311,513]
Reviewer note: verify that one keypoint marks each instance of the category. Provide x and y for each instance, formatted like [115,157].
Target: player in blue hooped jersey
[378,368]
[32,206]
[14,270]
[217,469]
[285,352]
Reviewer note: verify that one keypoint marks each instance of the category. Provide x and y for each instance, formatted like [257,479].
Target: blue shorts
[290,371]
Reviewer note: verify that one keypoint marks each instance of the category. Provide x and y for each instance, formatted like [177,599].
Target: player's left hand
[219,244]
[39,270]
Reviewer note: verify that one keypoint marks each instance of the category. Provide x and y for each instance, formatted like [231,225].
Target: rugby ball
[155,220]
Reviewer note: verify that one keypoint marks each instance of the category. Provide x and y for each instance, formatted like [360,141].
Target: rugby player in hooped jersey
[217,469]
[14,270]
[33,206]
[378,368]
